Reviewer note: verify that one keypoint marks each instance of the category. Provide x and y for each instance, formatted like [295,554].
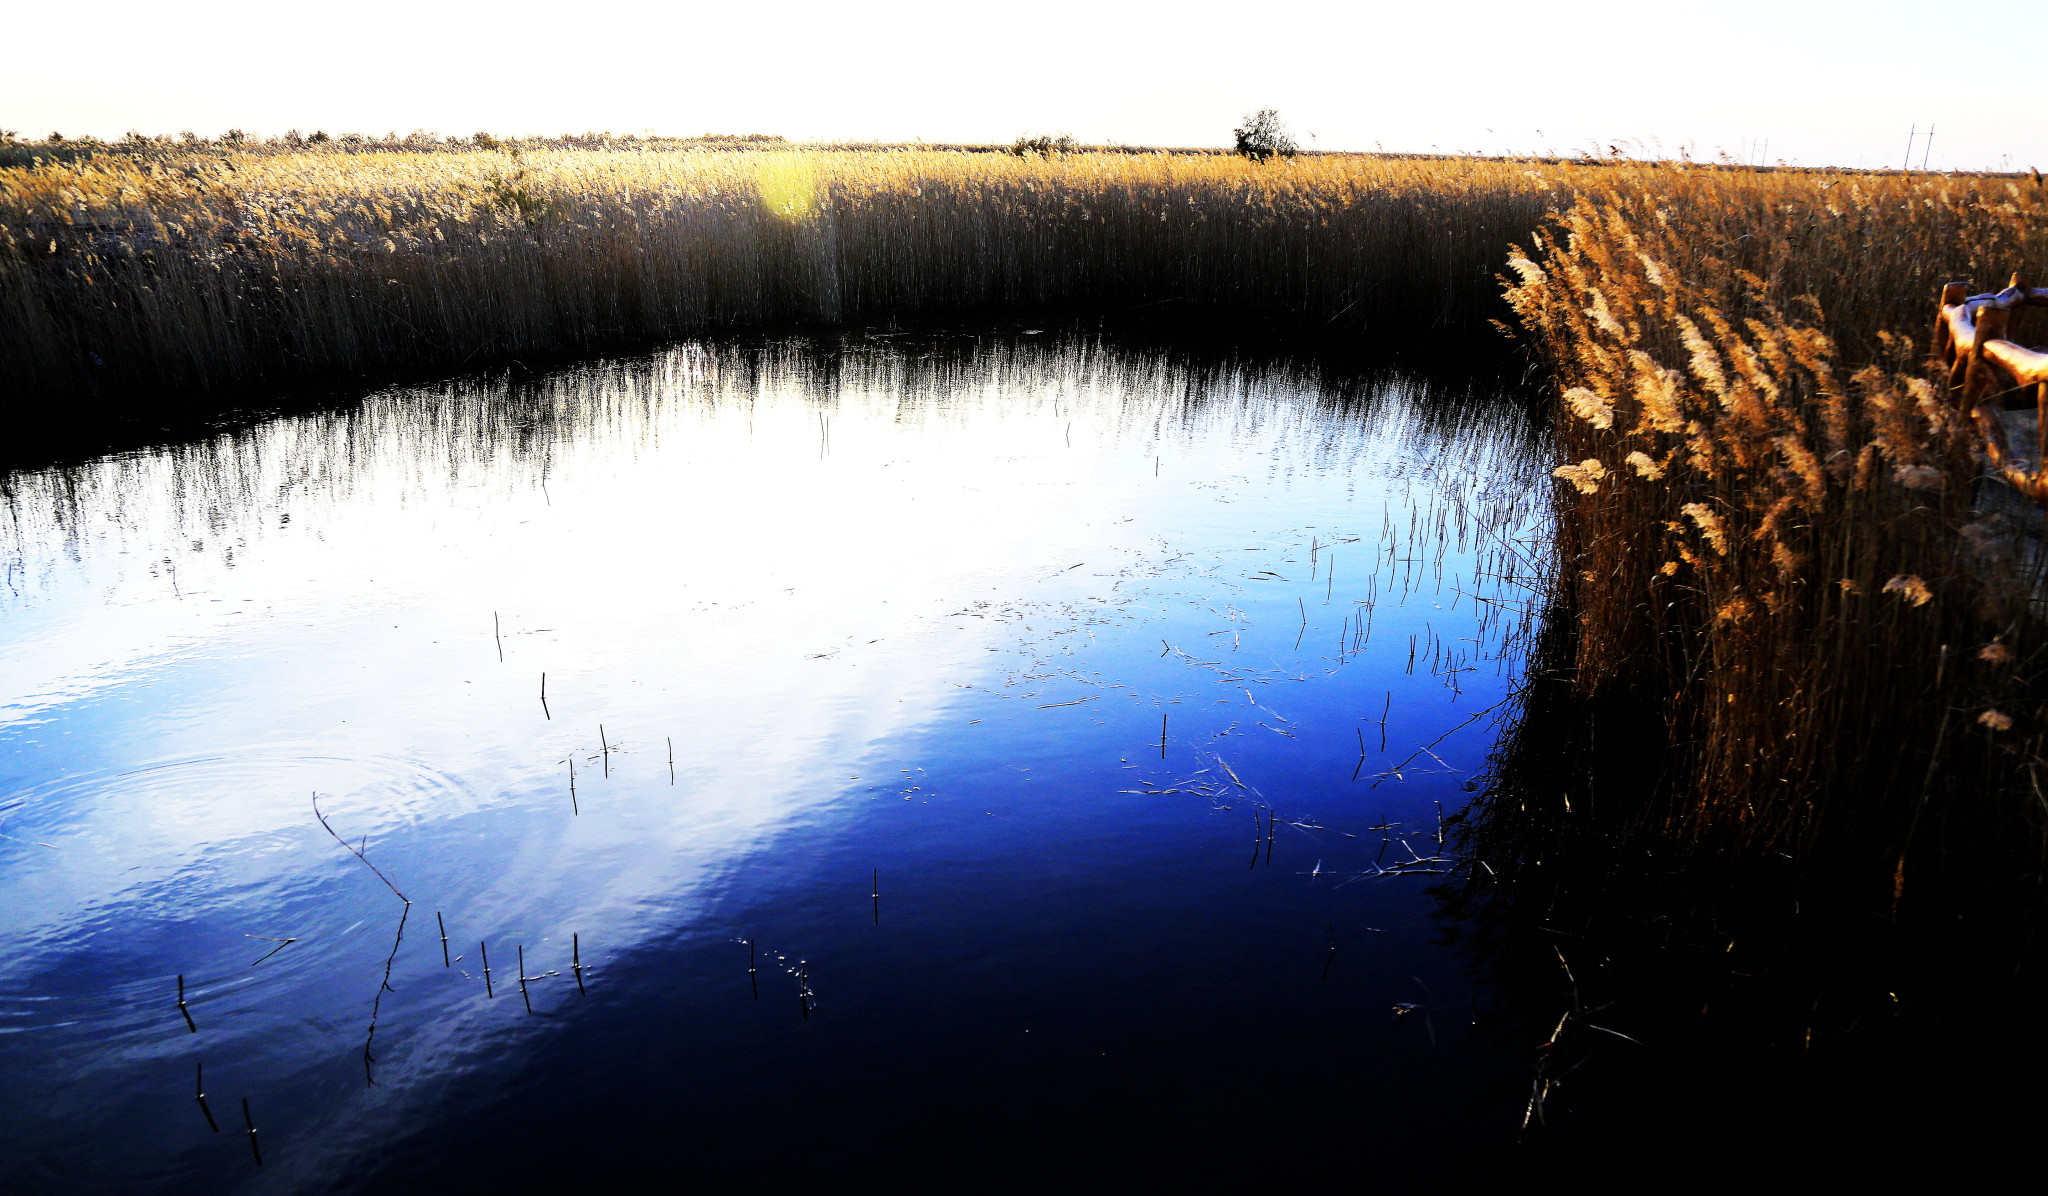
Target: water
[897,614]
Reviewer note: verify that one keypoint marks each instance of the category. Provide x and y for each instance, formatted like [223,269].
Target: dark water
[906,610]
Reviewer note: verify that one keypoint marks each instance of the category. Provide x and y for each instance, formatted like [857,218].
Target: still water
[993,755]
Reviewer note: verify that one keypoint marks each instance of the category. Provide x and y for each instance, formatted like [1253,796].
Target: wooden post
[2025,285]
[1941,349]
[1980,376]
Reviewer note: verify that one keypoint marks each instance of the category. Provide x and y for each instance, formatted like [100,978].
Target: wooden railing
[1989,373]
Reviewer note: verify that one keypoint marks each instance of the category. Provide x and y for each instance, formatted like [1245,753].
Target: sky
[1806,83]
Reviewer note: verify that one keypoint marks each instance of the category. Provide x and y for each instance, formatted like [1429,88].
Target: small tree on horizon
[1264,135]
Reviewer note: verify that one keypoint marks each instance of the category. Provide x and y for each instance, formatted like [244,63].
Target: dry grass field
[121,274]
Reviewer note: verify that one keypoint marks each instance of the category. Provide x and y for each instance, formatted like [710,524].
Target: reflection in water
[1720,1007]
[1017,633]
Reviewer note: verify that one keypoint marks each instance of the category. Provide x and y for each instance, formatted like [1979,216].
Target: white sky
[1836,83]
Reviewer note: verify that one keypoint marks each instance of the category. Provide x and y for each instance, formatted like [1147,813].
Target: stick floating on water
[498,636]
[189,1025]
[485,949]
[522,979]
[576,950]
[444,939]
[544,698]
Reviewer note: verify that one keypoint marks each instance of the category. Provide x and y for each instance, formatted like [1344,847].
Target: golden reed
[121,274]
[1771,522]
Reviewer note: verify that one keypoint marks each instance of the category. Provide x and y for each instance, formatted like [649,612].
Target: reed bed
[1768,510]
[123,276]
[1772,526]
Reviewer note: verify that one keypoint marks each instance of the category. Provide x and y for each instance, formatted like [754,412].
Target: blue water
[900,615]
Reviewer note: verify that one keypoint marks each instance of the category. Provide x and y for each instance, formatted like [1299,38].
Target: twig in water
[753,972]
[574,809]
[1424,749]
[485,950]
[251,1123]
[199,1094]
[576,967]
[522,979]
[671,759]
[281,945]
[356,852]
[181,1005]
[444,939]
[544,698]
[498,636]
[1162,735]
[606,748]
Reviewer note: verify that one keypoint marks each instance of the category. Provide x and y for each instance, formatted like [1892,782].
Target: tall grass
[120,275]
[1772,528]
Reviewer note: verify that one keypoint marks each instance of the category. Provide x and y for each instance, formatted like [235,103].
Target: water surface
[1135,683]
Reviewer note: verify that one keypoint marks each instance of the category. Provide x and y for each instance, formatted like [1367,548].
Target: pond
[997,753]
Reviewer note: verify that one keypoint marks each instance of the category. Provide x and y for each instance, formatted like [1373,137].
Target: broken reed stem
[576,950]
[189,1023]
[544,698]
[522,979]
[199,1094]
[251,1123]
[484,949]
[1162,735]
[356,852]
[671,759]
[497,636]
[445,962]
[605,749]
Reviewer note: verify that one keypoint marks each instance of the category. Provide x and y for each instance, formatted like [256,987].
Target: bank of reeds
[1773,531]
[122,276]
